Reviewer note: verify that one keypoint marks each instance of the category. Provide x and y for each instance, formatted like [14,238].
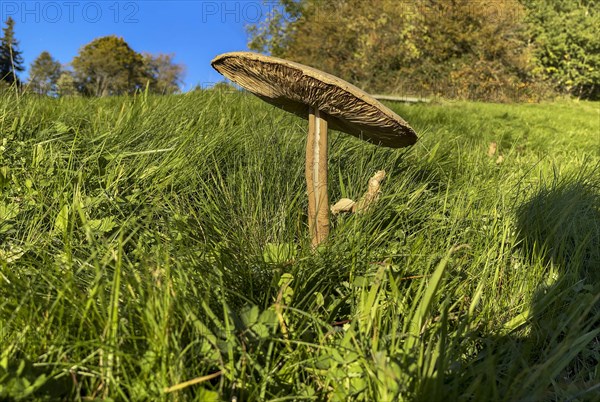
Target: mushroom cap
[295,87]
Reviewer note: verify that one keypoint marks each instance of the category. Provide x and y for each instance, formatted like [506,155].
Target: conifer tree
[44,74]
[11,59]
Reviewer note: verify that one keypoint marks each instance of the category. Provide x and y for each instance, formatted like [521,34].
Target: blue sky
[194,30]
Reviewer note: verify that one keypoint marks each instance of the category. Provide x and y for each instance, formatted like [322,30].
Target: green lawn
[149,241]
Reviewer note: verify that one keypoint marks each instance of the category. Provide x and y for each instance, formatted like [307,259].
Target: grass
[156,248]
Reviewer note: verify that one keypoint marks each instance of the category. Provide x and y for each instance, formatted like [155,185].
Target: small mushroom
[372,194]
[369,198]
[327,102]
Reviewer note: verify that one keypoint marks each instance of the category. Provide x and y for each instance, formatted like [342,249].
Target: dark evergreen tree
[11,59]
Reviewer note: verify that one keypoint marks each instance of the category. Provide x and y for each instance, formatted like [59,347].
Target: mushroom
[327,102]
[367,200]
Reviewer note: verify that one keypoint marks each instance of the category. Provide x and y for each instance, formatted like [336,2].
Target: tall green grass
[156,248]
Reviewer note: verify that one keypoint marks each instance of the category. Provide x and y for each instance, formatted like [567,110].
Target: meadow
[156,248]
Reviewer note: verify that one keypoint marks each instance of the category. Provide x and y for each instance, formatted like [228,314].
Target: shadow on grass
[561,227]
[559,230]
[551,352]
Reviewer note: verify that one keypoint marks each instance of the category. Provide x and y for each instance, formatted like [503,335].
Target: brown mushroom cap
[294,87]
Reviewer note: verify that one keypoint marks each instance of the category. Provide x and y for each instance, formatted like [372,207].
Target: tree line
[500,51]
[106,66]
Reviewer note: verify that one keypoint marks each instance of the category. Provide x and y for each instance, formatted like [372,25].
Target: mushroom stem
[316,176]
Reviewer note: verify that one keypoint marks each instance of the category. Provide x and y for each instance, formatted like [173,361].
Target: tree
[164,74]
[272,33]
[474,50]
[355,39]
[44,74]
[566,38]
[452,48]
[11,59]
[66,85]
[108,66]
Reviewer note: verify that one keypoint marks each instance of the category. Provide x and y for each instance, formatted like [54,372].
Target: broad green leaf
[102,225]
[61,223]
[275,253]
[249,315]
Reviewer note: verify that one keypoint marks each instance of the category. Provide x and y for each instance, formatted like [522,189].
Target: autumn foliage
[456,49]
